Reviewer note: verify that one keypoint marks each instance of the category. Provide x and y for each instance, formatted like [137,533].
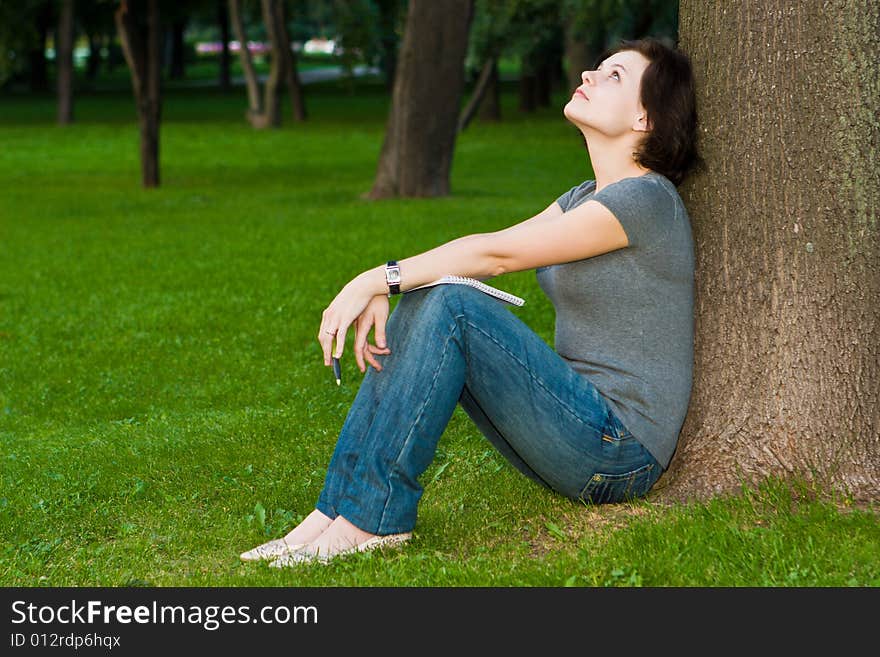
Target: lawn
[164,404]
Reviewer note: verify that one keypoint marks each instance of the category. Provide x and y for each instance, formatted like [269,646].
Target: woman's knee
[439,303]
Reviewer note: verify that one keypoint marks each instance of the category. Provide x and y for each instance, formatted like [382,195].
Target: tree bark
[577,59]
[271,96]
[416,156]
[143,55]
[490,107]
[481,90]
[223,22]
[64,62]
[787,248]
[289,65]
[255,106]
[94,60]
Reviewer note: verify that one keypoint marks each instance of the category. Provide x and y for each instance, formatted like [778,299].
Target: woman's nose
[586,77]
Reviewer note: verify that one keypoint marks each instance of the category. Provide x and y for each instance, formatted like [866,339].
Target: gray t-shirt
[624,319]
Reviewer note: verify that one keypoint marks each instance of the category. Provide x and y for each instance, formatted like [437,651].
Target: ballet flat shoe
[271,550]
[304,555]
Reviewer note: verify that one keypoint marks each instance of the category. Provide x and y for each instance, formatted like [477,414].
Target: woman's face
[608,100]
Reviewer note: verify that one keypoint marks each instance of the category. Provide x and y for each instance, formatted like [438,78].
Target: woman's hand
[375,314]
[354,303]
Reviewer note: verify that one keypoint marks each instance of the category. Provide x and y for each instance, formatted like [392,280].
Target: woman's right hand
[374,315]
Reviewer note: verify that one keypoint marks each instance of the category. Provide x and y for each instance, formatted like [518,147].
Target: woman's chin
[571,114]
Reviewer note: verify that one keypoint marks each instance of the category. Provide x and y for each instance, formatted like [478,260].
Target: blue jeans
[453,344]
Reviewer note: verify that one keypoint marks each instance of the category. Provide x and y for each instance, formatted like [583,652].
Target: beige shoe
[271,550]
[304,555]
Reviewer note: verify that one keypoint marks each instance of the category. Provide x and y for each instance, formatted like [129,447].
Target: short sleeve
[576,195]
[643,207]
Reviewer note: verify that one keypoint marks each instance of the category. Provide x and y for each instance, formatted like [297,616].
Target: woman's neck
[613,161]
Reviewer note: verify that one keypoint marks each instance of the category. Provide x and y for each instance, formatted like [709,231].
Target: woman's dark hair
[668,96]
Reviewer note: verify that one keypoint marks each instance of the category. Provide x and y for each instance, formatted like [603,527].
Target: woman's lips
[578,91]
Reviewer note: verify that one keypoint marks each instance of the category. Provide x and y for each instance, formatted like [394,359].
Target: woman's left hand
[341,314]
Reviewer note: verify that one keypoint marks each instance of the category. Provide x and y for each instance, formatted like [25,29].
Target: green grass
[163,402]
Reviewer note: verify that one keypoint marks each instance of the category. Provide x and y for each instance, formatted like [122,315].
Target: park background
[168,242]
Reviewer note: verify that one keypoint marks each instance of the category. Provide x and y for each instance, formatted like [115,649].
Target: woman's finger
[372,361]
[360,341]
[374,351]
[325,339]
[341,332]
[371,358]
[379,332]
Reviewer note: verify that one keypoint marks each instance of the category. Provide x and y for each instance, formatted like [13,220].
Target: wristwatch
[392,277]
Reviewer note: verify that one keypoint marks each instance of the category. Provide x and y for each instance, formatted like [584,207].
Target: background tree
[175,51]
[95,21]
[490,30]
[139,34]
[225,79]
[288,62]
[593,26]
[266,111]
[64,61]
[536,36]
[787,246]
[44,18]
[416,156]
[357,34]
[24,28]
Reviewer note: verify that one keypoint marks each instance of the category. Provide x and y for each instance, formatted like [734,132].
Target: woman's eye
[616,73]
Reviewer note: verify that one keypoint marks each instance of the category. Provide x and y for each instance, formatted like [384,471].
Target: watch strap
[392,277]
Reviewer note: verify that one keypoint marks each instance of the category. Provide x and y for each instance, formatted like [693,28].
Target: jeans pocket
[613,488]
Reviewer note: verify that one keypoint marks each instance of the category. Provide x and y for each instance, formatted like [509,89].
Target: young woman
[597,419]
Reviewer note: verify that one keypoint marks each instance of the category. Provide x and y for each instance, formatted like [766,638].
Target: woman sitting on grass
[597,419]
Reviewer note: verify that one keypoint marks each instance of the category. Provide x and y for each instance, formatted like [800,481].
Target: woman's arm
[479,256]
[549,238]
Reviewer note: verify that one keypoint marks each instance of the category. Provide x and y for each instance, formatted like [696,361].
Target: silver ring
[330,332]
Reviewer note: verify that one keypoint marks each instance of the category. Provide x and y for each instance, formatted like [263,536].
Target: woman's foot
[341,537]
[309,529]
[306,531]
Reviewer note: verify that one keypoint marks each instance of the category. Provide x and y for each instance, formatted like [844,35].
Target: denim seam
[415,423]
[564,405]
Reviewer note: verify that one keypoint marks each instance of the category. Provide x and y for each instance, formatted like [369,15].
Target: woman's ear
[642,123]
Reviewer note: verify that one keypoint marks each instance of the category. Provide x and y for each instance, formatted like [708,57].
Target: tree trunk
[288,60]
[271,97]
[416,156]
[481,88]
[94,60]
[223,21]
[786,240]
[143,54]
[177,63]
[255,107]
[64,62]
[490,108]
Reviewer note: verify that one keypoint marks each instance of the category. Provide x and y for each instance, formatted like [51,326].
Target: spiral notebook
[480,285]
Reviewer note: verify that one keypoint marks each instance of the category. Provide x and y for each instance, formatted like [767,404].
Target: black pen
[337,371]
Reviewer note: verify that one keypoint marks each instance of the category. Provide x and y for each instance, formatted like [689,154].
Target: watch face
[393,275]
